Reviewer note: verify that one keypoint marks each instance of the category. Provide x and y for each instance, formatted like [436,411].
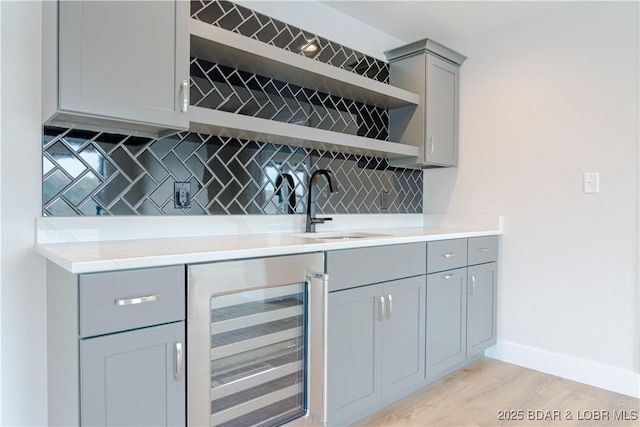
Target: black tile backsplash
[96,173]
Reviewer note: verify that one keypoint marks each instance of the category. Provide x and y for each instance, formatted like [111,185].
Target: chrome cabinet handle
[324,277]
[139,300]
[185,96]
[382,310]
[449,276]
[390,312]
[473,284]
[485,250]
[449,254]
[431,145]
[179,361]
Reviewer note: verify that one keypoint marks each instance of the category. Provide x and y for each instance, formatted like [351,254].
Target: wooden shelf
[204,120]
[234,50]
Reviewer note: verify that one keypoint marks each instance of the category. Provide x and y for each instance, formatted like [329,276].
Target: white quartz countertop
[88,257]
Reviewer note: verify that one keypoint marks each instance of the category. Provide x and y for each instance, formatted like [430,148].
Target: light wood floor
[476,395]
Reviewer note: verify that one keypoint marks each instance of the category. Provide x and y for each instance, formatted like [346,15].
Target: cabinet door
[134,378]
[446,320]
[403,337]
[441,145]
[481,307]
[124,60]
[353,349]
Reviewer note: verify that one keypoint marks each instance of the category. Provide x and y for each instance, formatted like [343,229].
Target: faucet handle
[320,220]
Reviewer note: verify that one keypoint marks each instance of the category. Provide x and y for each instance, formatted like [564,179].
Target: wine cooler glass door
[248,344]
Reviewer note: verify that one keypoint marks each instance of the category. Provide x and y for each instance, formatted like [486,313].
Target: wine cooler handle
[324,277]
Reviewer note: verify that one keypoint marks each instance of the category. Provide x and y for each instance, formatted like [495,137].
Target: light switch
[591,181]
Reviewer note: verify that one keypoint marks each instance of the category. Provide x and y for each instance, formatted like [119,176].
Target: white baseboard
[583,371]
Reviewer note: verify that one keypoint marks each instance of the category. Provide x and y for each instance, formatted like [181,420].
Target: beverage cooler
[256,341]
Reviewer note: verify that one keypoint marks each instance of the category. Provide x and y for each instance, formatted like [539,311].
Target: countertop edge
[94,257]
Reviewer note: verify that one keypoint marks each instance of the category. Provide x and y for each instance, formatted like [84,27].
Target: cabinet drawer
[363,266]
[446,255]
[121,300]
[483,249]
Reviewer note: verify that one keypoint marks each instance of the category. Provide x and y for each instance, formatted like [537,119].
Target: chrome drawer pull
[485,250]
[139,300]
[390,312]
[449,254]
[449,276]
[179,361]
[473,284]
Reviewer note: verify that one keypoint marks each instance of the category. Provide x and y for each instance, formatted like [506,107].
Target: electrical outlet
[384,200]
[182,195]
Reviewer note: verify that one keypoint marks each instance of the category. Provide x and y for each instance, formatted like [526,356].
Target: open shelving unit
[218,45]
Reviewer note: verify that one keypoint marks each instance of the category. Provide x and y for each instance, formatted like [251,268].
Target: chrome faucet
[311,199]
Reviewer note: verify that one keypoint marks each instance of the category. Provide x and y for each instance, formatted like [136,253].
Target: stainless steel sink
[341,236]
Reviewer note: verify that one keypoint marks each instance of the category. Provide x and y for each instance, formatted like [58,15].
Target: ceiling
[443,21]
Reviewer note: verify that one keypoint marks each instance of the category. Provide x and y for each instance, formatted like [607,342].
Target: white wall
[22,311]
[0,216]
[543,102]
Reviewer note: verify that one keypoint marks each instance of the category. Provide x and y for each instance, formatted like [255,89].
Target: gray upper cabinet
[119,65]
[433,71]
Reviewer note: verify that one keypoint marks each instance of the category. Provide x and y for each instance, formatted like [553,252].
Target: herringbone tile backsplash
[97,173]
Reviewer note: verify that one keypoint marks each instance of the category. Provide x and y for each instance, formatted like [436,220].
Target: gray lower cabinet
[354,343]
[376,309]
[134,378]
[375,344]
[446,320]
[116,347]
[481,307]
[117,65]
[461,301]
[403,335]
